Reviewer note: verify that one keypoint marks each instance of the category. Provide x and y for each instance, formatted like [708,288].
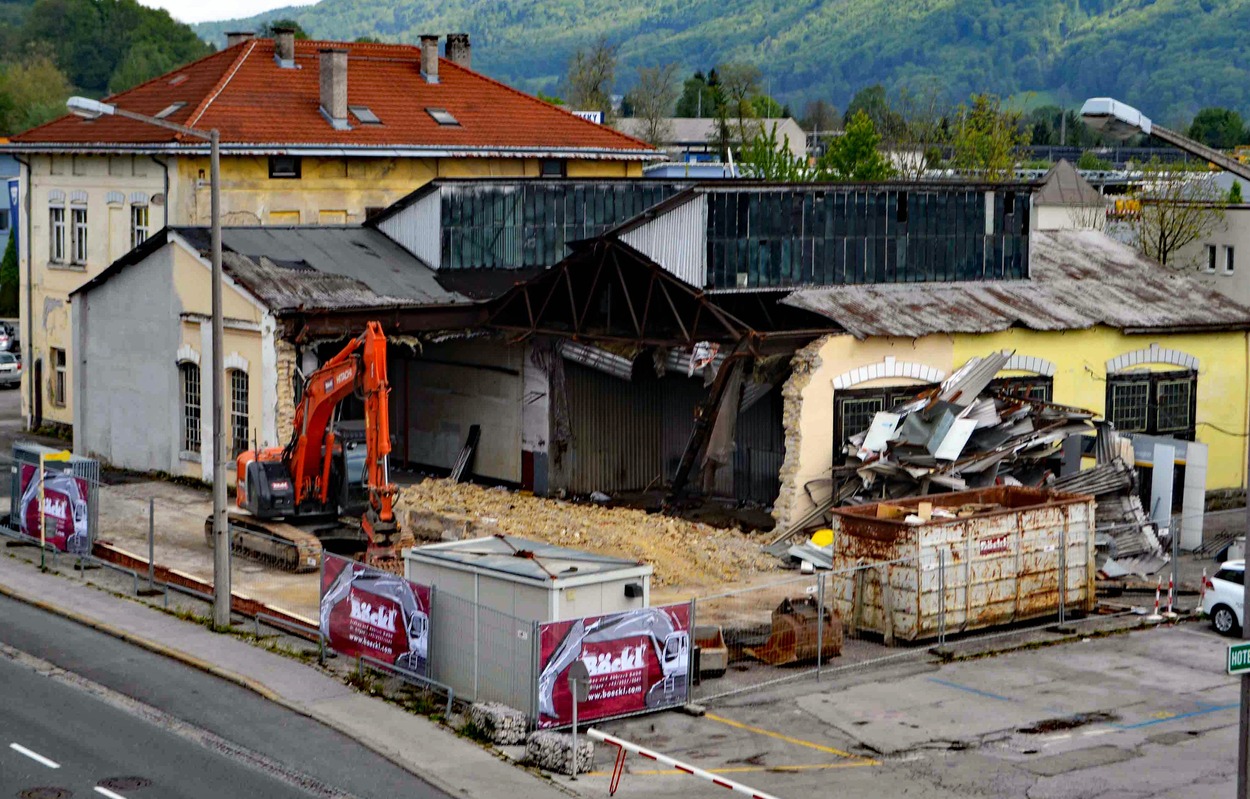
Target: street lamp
[87,108]
[1121,121]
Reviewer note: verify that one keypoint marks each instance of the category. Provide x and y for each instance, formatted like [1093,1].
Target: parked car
[1223,595]
[8,337]
[10,370]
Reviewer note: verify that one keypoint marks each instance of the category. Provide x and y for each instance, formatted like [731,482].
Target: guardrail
[411,676]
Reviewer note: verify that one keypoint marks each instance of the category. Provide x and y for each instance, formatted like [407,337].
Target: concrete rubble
[684,553]
[504,725]
[553,751]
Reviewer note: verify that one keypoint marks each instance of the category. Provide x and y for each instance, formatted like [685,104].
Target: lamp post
[1121,121]
[93,109]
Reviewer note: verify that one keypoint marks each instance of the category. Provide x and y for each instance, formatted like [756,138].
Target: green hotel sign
[1239,658]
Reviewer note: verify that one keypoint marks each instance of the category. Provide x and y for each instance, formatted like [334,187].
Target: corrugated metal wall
[675,241]
[761,448]
[416,228]
[616,432]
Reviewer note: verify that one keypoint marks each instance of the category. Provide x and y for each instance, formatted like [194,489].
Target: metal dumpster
[910,568]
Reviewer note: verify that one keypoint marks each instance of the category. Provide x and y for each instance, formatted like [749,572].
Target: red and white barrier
[1171,595]
[1158,595]
[1202,590]
[624,746]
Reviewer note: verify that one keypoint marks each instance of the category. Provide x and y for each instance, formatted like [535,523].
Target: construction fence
[861,612]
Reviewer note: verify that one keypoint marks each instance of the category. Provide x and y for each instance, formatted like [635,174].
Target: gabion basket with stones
[553,751]
[502,724]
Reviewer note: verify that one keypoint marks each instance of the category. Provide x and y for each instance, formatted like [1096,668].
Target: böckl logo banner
[65,511]
[637,660]
[376,614]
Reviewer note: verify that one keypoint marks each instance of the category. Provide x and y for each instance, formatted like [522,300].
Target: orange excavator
[321,488]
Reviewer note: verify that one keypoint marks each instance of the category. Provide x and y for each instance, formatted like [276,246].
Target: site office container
[1000,563]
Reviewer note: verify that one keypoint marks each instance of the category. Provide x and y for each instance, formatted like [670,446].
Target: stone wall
[803,366]
[287,377]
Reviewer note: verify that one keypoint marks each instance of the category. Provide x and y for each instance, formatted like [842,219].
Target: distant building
[1067,201]
[691,138]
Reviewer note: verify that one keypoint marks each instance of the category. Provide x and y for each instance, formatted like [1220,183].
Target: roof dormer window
[442,116]
[364,114]
[170,109]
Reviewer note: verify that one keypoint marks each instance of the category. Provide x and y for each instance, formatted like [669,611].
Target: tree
[854,156]
[1220,128]
[1177,208]
[144,61]
[1234,193]
[1090,160]
[918,129]
[819,117]
[987,139]
[9,279]
[766,158]
[739,86]
[698,95]
[651,101]
[267,30]
[32,91]
[591,76]
[873,102]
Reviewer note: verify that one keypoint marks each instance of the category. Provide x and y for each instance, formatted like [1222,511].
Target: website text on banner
[638,660]
[376,614]
[65,511]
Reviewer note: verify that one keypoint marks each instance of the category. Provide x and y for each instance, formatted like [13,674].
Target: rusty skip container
[1007,555]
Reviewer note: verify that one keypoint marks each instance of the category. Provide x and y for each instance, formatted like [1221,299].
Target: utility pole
[1243,714]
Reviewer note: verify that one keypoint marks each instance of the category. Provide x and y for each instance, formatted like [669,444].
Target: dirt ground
[688,556]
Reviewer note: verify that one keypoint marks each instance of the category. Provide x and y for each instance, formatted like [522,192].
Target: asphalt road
[209,738]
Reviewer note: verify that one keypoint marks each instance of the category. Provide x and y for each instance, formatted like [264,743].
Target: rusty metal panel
[1001,566]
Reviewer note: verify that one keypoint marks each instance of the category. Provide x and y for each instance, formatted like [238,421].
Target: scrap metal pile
[962,434]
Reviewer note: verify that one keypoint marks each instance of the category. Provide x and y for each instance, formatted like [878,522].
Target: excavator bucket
[796,634]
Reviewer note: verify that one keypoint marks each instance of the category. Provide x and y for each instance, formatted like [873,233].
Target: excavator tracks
[283,546]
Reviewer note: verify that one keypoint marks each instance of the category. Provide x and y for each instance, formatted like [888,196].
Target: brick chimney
[458,50]
[334,86]
[284,47]
[429,57]
[238,37]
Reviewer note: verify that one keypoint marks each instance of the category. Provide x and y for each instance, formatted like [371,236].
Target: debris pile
[683,553]
[1120,520]
[963,434]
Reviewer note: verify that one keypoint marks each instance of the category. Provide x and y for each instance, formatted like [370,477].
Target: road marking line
[106,792]
[1063,737]
[971,690]
[788,739]
[35,756]
[1097,732]
[1177,717]
[740,769]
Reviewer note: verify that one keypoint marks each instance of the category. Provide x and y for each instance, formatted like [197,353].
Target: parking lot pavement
[1149,713]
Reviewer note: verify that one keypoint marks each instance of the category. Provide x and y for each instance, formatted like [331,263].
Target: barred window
[857,415]
[1129,406]
[190,407]
[1173,401]
[854,409]
[1039,387]
[238,412]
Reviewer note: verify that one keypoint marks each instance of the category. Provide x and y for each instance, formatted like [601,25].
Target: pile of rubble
[683,553]
[960,435]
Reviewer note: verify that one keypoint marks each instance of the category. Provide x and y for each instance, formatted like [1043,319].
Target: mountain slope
[1169,56]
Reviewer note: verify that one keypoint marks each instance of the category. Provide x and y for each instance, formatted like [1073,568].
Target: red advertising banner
[365,611]
[638,660]
[65,510]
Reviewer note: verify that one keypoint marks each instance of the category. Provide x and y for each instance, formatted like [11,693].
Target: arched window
[238,412]
[190,374]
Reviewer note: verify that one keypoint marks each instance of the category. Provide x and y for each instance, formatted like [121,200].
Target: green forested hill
[1169,56]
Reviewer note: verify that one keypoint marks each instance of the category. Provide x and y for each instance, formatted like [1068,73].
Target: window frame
[890,397]
[560,164]
[240,396]
[135,228]
[294,173]
[1153,384]
[1026,386]
[59,360]
[1212,259]
[56,234]
[1229,259]
[79,240]
[191,413]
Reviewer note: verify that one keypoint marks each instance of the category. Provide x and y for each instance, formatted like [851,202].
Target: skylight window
[170,109]
[176,79]
[442,116]
[366,116]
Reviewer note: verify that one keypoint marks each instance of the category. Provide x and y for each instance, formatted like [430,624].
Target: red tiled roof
[251,100]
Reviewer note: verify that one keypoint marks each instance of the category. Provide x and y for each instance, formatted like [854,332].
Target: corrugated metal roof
[521,557]
[1079,279]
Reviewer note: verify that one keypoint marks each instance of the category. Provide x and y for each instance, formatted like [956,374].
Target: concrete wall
[1233,231]
[1080,361]
[1063,217]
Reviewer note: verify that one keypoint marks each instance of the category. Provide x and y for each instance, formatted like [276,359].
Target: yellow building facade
[1076,362]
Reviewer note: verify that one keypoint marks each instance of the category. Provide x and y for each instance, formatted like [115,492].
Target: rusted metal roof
[1079,279]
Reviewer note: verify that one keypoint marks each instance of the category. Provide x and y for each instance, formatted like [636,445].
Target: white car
[1223,595]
